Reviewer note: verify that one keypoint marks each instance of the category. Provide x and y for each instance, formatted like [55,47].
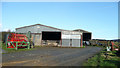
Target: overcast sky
[100,18]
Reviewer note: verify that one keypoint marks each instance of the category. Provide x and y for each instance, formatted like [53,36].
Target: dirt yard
[50,56]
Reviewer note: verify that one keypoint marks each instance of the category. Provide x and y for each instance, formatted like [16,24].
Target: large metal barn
[43,35]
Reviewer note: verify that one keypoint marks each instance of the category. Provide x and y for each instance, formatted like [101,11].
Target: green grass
[101,60]
[0,44]
[8,50]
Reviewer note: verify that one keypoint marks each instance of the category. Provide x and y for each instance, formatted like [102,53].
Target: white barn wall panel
[75,42]
[71,39]
[66,42]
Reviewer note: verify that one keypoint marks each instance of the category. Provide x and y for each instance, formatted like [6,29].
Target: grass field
[104,58]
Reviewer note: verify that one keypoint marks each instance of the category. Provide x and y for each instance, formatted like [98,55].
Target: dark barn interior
[86,36]
[51,35]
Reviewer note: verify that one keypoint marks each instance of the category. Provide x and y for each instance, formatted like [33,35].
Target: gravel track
[50,56]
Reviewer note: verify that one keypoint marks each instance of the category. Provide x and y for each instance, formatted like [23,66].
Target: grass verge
[104,58]
[7,50]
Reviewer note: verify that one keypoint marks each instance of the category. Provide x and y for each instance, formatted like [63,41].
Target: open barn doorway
[86,38]
[51,38]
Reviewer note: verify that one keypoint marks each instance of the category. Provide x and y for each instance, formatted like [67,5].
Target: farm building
[43,35]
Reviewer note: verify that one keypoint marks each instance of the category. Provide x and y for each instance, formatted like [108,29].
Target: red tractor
[17,41]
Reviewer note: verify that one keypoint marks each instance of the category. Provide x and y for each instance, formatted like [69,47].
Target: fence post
[16,45]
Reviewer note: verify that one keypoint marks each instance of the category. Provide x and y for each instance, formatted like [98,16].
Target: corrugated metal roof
[80,30]
[84,31]
[40,25]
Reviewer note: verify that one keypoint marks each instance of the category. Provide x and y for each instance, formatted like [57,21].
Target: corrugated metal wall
[66,42]
[71,42]
[37,39]
[75,42]
[71,39]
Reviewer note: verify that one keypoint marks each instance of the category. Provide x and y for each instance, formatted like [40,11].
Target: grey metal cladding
[75,42]
[35,29]
[66,42]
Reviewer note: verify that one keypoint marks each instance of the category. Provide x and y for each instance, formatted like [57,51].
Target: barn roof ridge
[40,25]
[82,30]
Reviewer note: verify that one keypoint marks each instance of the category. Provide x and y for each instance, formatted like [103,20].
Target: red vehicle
[17,41]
